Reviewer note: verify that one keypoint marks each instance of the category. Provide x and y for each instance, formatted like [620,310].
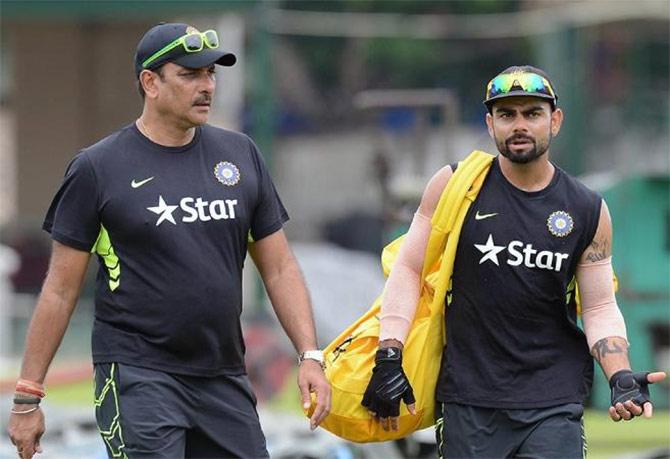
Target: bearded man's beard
[522,157]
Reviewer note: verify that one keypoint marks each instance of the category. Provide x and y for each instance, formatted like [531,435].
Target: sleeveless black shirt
[511,320]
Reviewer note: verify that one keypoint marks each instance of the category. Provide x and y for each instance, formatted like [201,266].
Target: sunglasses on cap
[528,82]
[191,42]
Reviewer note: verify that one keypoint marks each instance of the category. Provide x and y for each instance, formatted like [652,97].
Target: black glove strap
[390,355]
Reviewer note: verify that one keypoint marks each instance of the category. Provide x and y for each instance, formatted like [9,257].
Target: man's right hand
[387,387]
[25,431]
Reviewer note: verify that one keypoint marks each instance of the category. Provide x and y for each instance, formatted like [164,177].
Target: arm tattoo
[599,250]
[606,346]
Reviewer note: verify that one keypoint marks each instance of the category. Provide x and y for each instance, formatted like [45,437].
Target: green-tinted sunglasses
[529,82]
[192,42]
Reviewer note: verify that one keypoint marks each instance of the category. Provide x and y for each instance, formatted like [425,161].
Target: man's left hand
[312,379]
[630,394]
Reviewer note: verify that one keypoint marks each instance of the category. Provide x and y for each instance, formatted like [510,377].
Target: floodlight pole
[263,107]
[262,111]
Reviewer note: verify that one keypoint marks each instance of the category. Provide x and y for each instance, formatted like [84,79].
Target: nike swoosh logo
[479,216]
[135,184]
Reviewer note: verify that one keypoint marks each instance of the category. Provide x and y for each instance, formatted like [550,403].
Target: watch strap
[315,355]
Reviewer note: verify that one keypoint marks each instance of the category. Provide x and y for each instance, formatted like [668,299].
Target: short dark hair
[140,89]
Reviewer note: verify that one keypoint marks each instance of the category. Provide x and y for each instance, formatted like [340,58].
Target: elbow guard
[600,312]
[403,285]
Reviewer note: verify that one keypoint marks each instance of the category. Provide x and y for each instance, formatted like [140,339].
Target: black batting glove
[626,385]
[388,385]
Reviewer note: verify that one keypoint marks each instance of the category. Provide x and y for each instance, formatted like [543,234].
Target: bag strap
[450,204]
[459,184]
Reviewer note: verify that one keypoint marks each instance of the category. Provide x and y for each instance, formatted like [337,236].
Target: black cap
[165,33]
[546,92]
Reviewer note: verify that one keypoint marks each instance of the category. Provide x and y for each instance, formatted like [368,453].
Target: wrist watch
[315,355]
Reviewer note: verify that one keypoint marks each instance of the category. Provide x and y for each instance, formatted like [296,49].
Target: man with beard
[516,367]
[170,205]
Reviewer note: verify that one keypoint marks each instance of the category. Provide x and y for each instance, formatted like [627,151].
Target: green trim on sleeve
[103,248]
[570,290]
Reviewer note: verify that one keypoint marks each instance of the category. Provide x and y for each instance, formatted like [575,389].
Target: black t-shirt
[170,226]
[512,334]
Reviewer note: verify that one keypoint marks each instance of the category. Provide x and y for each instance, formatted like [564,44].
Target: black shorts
[465,431]
[144,413]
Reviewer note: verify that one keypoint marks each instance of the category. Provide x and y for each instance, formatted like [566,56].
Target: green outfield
[606,439]
[76,394]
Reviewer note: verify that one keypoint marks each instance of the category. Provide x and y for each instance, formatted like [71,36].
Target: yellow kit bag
[351,356]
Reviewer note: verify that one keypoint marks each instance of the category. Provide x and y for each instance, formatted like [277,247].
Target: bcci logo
[560,223]
[227,173]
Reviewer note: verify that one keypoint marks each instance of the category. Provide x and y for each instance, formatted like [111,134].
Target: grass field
[606,439]
[77,394]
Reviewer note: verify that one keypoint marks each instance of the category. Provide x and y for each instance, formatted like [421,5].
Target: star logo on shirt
[490,250]
[164,210]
